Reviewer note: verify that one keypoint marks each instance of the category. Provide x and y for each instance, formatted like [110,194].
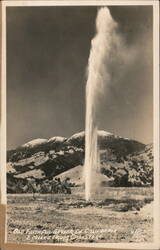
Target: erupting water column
[97,74]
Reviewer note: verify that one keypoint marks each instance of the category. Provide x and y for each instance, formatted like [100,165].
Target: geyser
[98,76]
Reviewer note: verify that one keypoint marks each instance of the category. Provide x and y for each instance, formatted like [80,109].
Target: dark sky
[47,56]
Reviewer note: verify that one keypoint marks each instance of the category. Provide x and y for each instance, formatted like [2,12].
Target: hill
[124,162]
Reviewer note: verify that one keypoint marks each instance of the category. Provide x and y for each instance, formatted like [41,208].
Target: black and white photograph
[81,136]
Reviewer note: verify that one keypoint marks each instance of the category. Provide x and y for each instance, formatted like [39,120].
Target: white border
[156,123]
[77,2]
[3,111]
[155,4]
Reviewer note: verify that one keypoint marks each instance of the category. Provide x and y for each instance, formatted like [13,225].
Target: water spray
[98,76]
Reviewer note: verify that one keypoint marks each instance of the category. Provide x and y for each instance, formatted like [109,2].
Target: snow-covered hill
[34,143]
[43,159]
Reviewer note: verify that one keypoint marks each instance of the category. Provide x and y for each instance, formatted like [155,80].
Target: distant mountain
[43,159]
[34,143]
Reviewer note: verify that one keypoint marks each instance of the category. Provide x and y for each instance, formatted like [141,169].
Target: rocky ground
[117,215]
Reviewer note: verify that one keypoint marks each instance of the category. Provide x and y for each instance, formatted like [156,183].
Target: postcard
[80,123]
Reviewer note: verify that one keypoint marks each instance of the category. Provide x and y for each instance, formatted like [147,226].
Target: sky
[47,57]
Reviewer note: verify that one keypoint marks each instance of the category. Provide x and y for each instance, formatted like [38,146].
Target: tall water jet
[97,75]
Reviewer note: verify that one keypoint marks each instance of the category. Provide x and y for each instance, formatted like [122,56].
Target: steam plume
[102,54]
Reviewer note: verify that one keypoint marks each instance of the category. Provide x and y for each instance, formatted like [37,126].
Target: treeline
[30,185]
